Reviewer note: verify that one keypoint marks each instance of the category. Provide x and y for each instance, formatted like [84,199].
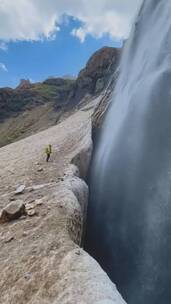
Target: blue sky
[42,38]
[65,55]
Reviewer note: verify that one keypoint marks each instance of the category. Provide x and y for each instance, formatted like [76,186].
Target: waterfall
[129,215]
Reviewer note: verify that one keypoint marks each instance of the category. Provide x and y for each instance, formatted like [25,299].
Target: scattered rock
[72,170]
[31,212]
[25,234]
[20,189]
[12,211]
[9,239]
[29,206]
[38,202]
[31,201]
[39,169]
[23,217]
[27,276]
[60,179]
[12,199]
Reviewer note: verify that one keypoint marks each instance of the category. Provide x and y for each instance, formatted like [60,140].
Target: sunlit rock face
[129,218]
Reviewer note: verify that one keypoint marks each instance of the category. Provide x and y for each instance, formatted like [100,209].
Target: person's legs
[48,156]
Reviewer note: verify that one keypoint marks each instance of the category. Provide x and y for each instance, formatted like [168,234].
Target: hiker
[48,151]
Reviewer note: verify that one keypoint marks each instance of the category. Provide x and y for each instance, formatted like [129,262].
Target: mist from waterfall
[129,216]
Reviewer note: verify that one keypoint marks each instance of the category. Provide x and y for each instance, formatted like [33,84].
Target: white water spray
[129,220]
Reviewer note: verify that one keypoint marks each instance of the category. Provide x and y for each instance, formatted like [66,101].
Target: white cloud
[3,67]
[3,46]
[39,19]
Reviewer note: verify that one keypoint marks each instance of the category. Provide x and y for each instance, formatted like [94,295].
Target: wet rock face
[101,109]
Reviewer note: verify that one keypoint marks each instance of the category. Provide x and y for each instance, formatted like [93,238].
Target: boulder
[12,211]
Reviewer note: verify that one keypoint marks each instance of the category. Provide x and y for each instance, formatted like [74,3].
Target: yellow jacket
[48,149]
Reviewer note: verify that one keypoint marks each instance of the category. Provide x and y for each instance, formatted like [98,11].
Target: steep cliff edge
[41,258]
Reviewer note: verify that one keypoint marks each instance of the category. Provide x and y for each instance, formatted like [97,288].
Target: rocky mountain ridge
[33,107]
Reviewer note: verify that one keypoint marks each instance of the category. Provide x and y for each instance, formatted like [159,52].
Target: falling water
[129,217]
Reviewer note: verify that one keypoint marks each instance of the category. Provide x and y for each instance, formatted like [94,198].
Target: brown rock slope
[41,261]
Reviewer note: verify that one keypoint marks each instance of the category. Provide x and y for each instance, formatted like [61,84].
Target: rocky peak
[100,61]
[96,74]
[24,84]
